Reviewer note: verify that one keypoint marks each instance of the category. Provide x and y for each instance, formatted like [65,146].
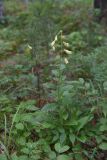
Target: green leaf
[99,139]
[81,80]
[65,115]
[47,125]
[25,150]
[63,157]
[103,146]
[105,86]
[62,67]
[49,107]
[78,157]
[103,128]
[3,157]
[61,149]
[77,148]
[82,138]
[29,105]
[19,126]
[55,72]
[52,155]
[21,141]
[23,158]
[14,157]
[26,117]
[56,137]
[72,138]
[62,138]
[83,121]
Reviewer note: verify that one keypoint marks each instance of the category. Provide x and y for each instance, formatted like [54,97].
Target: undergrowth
[53,82]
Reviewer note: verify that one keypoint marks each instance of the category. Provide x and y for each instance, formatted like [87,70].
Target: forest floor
[53,106]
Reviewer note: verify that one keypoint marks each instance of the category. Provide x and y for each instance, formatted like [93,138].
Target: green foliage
[53,82]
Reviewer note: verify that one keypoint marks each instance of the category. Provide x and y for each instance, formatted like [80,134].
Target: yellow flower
[67,51]
[66,44]
[66,60]
[29,46]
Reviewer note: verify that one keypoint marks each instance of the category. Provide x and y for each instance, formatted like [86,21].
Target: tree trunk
[104,8]
[102,5]
[97,4]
